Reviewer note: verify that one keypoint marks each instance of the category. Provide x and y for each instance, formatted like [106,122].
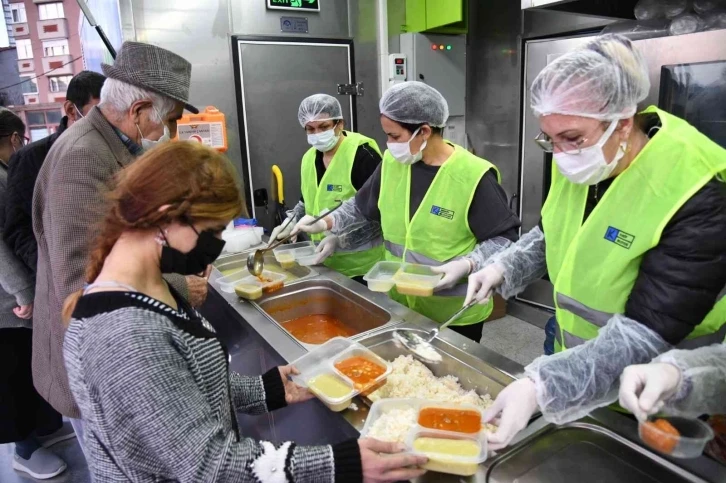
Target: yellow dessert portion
[417,290]
[444,455]
[328,386]
[249,292]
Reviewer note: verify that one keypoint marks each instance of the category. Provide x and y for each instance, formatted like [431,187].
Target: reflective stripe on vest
[335,185]
[594,265]
[600,319]
[438,232]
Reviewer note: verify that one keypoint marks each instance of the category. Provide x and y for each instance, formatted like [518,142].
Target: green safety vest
[438,232]
[595,264]
[336,185]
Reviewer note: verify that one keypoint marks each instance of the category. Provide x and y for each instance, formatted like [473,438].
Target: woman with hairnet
[336,166]
[433,201]
[633,235]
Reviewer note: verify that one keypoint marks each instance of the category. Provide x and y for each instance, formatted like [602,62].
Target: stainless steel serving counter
[599,448]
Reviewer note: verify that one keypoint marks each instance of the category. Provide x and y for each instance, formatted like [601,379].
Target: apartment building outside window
[25,48]
[29,85]
[59,83]
[55,47]
[42,123]
[17,13]
[48,11]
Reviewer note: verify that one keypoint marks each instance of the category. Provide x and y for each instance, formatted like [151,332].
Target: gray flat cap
[153,68]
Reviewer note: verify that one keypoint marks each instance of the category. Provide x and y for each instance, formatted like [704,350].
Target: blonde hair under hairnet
[415,103]
[319,107]
[605,80]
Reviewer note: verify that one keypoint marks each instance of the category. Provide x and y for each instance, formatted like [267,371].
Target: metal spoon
[419,342]
[256,260]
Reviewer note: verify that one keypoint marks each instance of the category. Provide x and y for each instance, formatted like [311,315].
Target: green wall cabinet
[436,16]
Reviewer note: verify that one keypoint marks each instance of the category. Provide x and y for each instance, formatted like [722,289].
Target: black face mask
[206,251]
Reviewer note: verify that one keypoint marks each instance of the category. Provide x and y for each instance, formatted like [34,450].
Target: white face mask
[401,152]
[589,166]
[150,143]
[324,141]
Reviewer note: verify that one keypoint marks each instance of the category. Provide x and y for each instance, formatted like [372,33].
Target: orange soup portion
[361,371]
[458,420]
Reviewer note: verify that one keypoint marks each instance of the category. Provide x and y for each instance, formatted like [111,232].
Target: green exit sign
[298,5]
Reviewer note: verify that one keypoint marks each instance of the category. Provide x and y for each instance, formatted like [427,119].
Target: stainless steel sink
[323,297]
[238,261]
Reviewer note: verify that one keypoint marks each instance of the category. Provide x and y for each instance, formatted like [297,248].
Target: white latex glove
[283,230]
[482,283]
[453,272]
[515,405]
[326,248]
[644,388]
[319,226]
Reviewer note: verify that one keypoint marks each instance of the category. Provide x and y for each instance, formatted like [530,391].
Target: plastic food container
[694,435]
[448,452]
[248,281]
[287,255]
[319,374]
[380,277]
[416,280]
[307,260]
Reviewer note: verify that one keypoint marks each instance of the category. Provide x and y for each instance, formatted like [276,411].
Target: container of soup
[267,281]
[339,370]
[289,254]
[380,277]
[448,452]
[676,436]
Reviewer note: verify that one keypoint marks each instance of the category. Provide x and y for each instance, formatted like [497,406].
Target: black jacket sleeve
[681,278]
[18,227]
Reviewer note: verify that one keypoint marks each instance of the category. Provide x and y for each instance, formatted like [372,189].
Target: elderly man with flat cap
[145,93]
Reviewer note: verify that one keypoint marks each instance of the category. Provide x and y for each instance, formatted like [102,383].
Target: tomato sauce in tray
[317,329]
[361,371]
[457,420]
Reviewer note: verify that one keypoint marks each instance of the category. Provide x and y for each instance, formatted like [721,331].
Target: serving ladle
[256,259]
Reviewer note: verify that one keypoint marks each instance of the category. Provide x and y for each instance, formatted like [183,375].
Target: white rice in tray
[393,425]
[411,379]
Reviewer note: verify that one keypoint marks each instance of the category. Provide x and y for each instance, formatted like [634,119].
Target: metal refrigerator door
[275,76]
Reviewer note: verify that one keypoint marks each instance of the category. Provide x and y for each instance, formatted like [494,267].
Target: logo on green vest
[335,187]
[442,212]
[619,237]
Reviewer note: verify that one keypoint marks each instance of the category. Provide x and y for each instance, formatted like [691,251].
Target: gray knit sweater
[157,401]
[17,285]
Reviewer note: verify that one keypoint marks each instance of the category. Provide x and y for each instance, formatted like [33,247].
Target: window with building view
[29,84]
[60,83]
[55,47]
[25,48]
[47,11]
[17,13]
[42,123]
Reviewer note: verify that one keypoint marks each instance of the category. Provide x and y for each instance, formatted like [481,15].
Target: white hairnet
[415,103]
[703,376]
[572,383]
[318,107]
[605,80]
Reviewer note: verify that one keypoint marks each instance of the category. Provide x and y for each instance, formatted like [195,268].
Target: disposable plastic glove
[303,225]
[453,272]
[326,248]
[283,230]
[482,283]
[645,388]
[515,405]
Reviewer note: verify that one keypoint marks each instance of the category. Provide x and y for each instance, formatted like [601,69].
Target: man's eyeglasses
[25,140]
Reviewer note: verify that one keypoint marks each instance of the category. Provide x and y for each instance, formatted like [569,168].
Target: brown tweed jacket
[68,204]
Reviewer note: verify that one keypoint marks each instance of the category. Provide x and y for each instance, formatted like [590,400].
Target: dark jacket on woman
[23,170]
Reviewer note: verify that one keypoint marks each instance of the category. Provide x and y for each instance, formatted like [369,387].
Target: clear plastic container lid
[294,251]
[452,462]
[322,361]
[380,277]
[693,436]
[244,277]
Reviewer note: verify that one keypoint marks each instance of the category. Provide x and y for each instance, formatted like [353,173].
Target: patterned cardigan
[158,401]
